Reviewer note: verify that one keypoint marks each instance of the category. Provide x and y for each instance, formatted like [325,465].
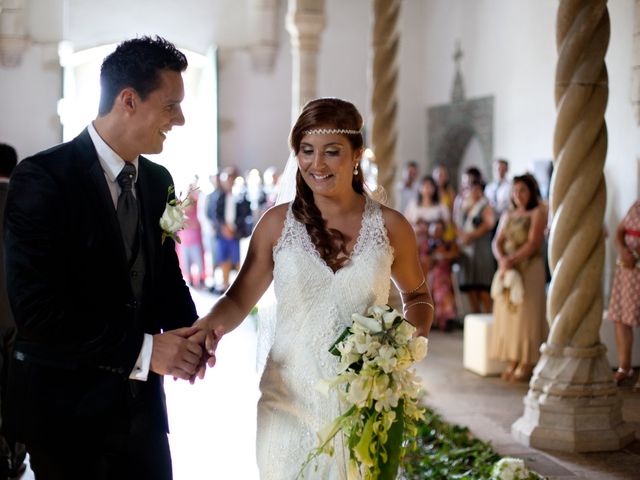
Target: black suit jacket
[69,288]
[6,318]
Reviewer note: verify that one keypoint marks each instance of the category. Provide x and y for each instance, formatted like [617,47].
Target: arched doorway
[189,150]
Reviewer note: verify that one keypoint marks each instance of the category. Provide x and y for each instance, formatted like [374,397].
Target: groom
[101,307]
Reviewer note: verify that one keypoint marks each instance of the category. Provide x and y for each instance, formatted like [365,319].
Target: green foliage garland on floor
[447,452]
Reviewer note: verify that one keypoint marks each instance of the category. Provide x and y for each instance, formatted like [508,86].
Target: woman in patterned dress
[474,232]
[421,211]
[624,304]
[441,255]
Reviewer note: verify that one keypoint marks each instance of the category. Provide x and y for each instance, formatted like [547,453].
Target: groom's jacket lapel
[105,210]
[149,196]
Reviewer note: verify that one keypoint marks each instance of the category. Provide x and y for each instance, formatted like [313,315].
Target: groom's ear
[127,99]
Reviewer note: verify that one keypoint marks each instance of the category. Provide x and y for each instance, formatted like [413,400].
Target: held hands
[228,232]
[207,337]
[185,352]
[505,263]
[174,353]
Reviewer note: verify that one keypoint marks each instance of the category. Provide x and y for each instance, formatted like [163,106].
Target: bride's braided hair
[325,113]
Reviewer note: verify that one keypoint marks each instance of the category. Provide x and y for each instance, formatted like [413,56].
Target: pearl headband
[330,131]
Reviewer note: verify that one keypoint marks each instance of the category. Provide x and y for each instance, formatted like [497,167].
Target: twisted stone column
[305,22]
[384,104]
[572,403]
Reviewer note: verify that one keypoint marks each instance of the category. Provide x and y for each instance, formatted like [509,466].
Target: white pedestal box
[477,338]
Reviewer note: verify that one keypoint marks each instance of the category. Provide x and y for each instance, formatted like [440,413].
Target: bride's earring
[355,169]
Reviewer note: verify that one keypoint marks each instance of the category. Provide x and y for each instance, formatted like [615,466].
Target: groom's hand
[175,354]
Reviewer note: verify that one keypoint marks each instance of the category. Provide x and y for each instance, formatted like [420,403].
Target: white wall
[191,24]
[509,52]
[28,101]
[254,107]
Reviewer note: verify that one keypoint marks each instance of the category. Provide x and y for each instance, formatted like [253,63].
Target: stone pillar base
[573,425]
[573,404]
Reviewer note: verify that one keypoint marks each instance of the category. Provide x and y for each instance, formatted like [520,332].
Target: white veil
[287,181]
[286,192]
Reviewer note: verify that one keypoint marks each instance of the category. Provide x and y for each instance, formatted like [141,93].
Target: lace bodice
[314,305]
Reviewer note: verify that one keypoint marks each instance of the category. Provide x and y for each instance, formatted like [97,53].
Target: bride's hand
[208,337]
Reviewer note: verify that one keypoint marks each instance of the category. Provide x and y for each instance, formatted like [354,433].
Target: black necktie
[127,208]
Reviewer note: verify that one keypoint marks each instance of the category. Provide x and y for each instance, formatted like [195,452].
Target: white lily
[369,323]
[389,317]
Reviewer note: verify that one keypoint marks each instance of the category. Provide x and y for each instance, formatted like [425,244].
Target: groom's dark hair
[136,63]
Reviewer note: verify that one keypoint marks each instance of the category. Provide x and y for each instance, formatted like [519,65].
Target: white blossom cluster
[511,468]
[382,346]
[174,217]
[374,376]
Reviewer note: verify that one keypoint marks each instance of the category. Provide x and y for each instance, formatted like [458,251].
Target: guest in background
[475,226]
[462,201]
[206,215]
[190,248]
[426,204]
[498,192]
[270,179]
[233,220]
[423,209]
[441,254]
[447,196]
[12,454]
[624,304]
[407,188]
[520,324]
[255,191]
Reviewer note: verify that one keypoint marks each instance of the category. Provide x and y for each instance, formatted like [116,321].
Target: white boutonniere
[174,217]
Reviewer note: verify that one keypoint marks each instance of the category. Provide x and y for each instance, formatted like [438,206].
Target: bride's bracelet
[424,280]
[407,307]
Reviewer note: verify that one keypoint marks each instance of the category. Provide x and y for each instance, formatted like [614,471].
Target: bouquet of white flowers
[375,379]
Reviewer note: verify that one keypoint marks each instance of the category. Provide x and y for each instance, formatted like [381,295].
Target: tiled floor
[488,406]
[213,422]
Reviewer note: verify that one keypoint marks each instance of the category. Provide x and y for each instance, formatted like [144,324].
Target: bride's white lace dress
[314,305]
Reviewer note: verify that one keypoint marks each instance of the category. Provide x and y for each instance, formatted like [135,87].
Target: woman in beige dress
[520,325]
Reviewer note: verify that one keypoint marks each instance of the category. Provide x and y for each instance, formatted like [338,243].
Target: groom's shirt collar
[110,162]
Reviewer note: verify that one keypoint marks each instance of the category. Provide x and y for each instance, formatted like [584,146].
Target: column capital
[305,29]
[13,32]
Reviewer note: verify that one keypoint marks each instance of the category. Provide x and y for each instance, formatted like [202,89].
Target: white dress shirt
[112,164]
[230,210]
[498,193]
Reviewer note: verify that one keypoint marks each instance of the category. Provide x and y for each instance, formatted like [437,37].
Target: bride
[330,253]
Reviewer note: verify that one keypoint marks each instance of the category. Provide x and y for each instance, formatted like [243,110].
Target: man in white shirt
[498,192]
[407,188]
